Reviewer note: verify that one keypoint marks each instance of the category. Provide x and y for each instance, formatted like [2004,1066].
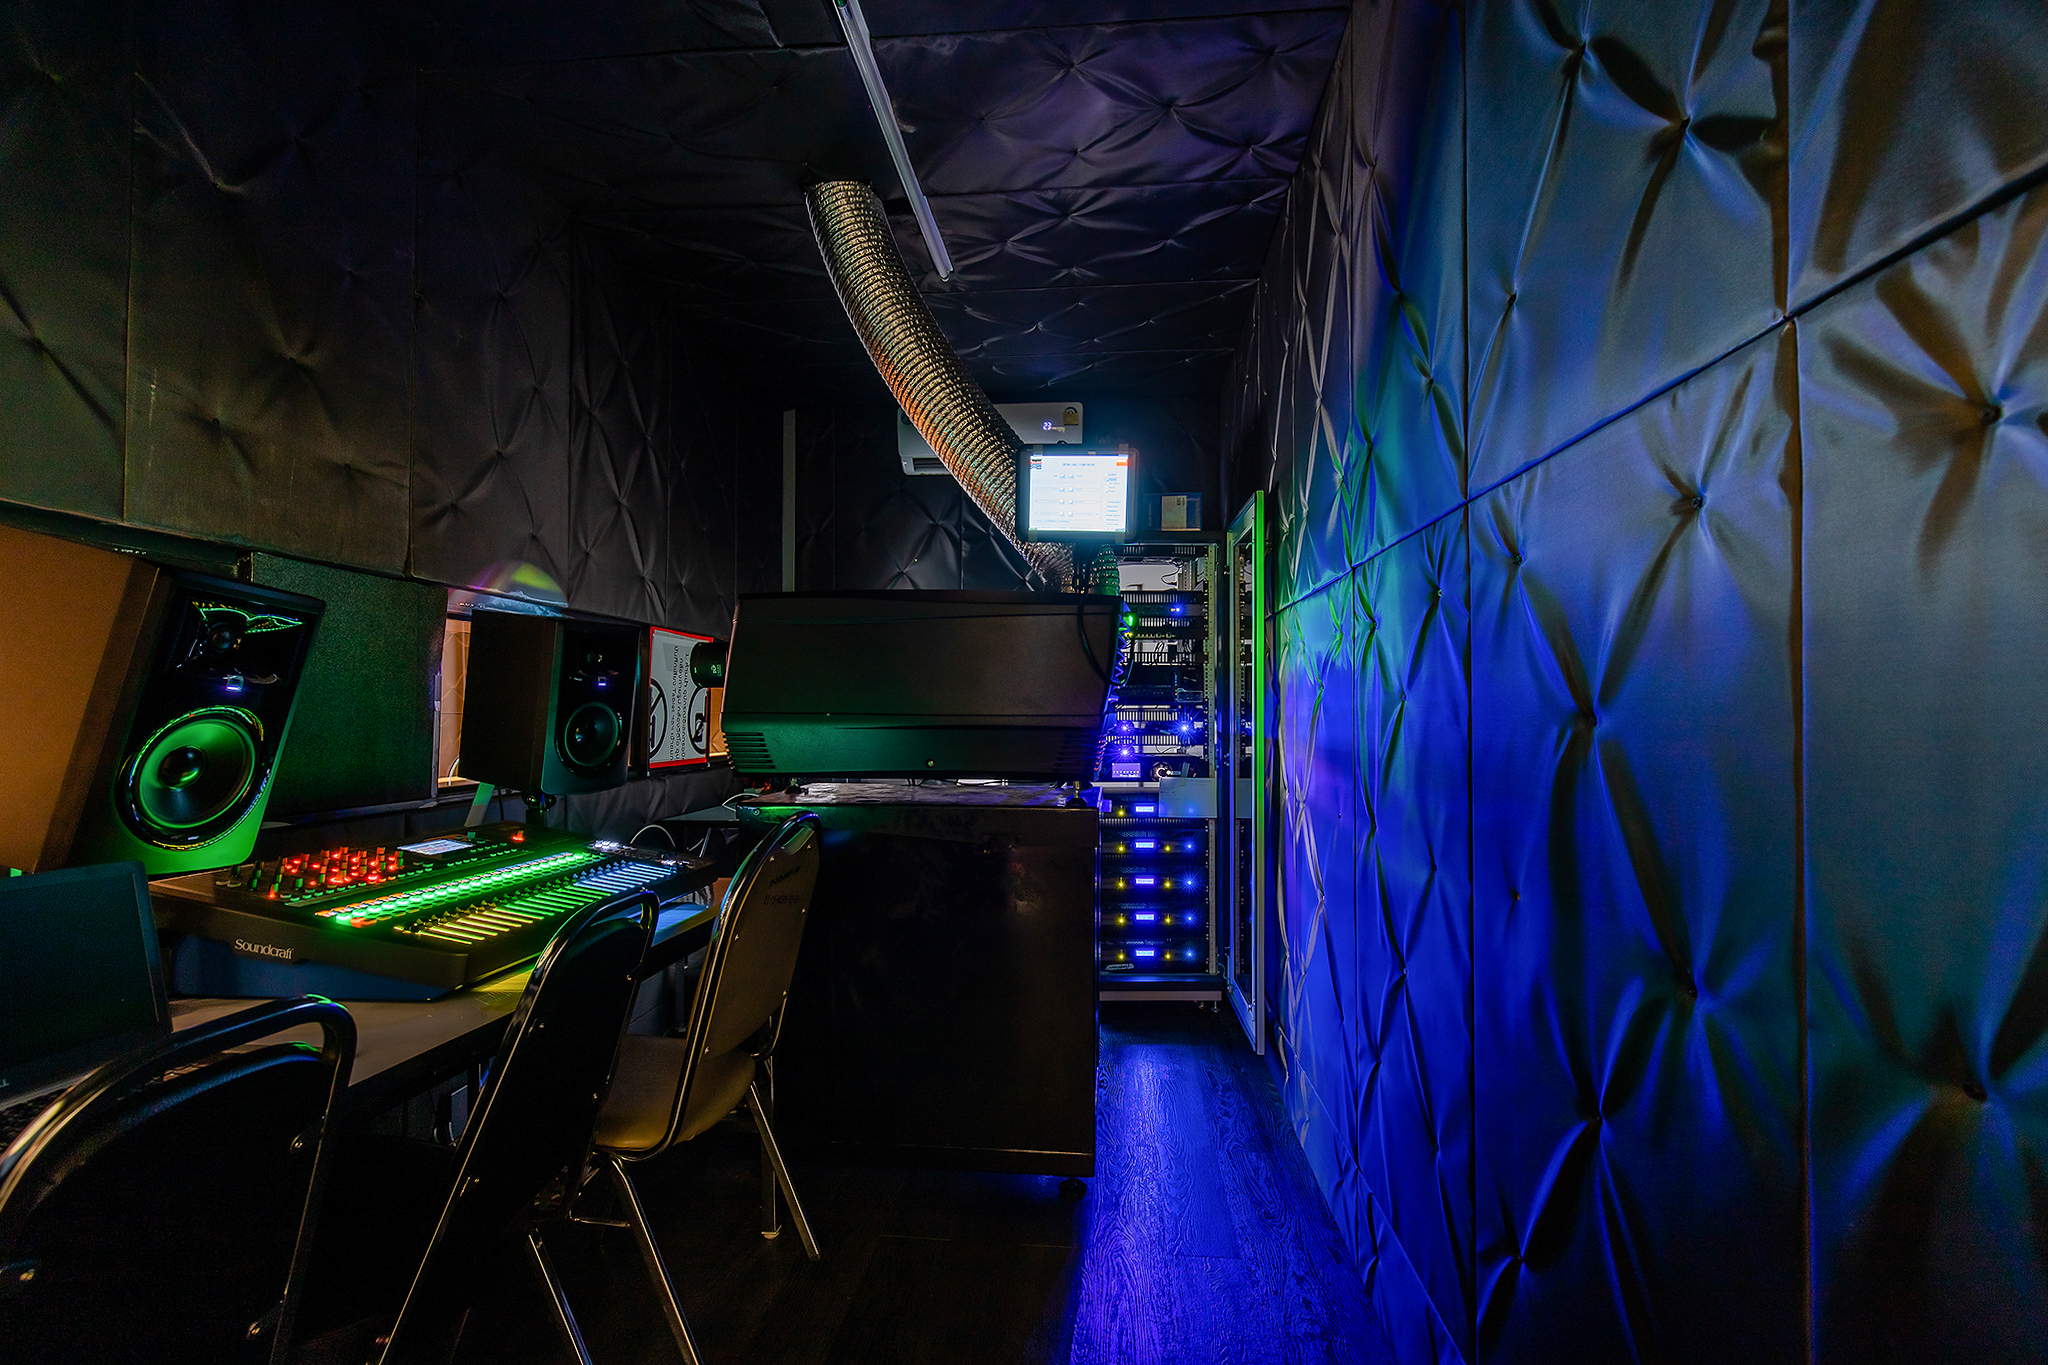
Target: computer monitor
[79,978]
[1075,495]
[920,684]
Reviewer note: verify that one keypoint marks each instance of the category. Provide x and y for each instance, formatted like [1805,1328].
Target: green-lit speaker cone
[193,771]
[591,735]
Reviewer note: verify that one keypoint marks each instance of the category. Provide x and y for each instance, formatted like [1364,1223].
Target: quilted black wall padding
[448,290]
[1695,355]
[64,99]
[273,287]
[270,299]
[863,523]
[275,281]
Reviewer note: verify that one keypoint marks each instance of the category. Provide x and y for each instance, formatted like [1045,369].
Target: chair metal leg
[678,1326]
[771,1216]
[565,1319]
[774,1154]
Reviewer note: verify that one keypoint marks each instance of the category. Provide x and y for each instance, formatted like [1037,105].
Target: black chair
[524,1150]
[162,1209]
[669,1090]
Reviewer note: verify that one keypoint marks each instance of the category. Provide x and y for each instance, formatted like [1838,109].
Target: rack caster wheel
[1072,1188]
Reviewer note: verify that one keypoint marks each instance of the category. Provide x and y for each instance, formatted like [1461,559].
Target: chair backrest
[753,952]
[163,1208]
[531,1133]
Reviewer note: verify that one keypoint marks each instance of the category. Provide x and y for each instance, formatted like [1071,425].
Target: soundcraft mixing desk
[444,912]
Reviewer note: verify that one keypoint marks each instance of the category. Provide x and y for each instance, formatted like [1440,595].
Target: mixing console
[445,912]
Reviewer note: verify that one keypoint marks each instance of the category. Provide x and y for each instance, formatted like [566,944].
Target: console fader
[442,912]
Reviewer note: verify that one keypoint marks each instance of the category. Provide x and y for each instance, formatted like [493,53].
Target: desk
[943,1011]
[403,1047]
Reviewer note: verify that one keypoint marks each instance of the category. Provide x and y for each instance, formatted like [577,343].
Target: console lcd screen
[1075,496]
[435,848]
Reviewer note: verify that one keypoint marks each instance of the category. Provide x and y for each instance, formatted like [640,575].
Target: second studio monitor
[548,705]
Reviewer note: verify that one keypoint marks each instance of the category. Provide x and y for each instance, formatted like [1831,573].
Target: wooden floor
[1202,1239]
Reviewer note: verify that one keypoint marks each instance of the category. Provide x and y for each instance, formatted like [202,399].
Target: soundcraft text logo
[243,945]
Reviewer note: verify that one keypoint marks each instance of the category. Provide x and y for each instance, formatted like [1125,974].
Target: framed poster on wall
[682,713]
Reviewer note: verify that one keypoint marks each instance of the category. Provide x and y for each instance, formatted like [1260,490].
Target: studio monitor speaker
[142,708]
[548,706]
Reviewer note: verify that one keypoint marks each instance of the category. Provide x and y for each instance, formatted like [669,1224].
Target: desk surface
[403,1046]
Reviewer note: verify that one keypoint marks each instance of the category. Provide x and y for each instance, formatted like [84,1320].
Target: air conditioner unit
[1036,424]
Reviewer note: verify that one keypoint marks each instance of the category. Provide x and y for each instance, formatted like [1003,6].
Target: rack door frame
[1248,710]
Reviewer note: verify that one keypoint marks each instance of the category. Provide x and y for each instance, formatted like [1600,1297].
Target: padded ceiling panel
[64,153]
[1072,154]
[500,32]
[886,17]
[724,129]
[1109,104]
[1107,234]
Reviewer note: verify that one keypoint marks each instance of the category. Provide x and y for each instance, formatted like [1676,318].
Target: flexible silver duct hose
[942,401]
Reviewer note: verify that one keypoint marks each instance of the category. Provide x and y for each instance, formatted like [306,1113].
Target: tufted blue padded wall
[1654,397]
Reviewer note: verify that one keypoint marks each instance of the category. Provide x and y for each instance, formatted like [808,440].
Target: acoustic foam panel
[363,728]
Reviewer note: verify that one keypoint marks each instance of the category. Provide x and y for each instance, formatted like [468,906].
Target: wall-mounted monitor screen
[1074,494]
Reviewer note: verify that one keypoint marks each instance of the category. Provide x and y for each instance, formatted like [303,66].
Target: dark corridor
[1201,1239]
